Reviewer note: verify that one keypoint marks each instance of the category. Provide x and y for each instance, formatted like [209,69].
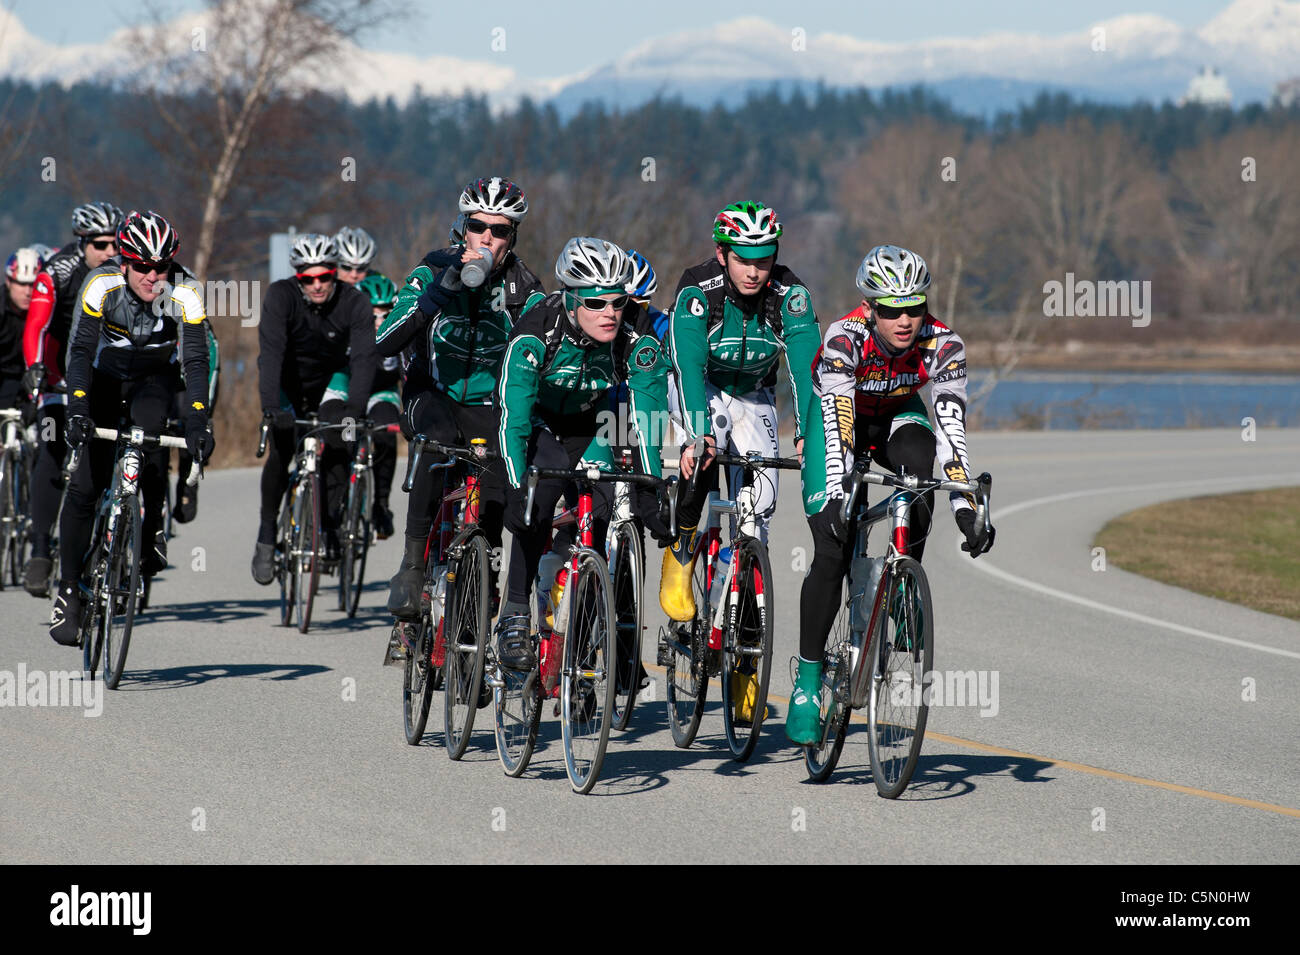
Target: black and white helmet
[356,249]
[890,272]
[495,195]
[96,218]
[147,237]
[586,262]
[311,249]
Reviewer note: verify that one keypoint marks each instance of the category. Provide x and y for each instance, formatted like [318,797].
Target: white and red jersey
[856,375]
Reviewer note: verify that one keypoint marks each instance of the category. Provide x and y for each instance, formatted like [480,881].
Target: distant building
[1209,87]
[1287,93]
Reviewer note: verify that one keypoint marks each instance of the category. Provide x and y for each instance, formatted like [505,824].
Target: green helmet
[750,228]
[380,289]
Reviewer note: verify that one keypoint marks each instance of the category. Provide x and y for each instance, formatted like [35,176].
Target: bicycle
[880,651]
[577,658]
[355,533]
[115,584]
[733,627]
[16,457]
[452,637]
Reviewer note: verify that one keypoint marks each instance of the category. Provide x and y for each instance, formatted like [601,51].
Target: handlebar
[476,454]
[136,438]
[595,475]
[981,487]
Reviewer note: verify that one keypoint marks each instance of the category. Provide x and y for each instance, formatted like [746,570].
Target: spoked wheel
[687,678]
[902,661]
[9,516]
[121,591]
[417,683]
[821,757]
[467,633]
[355,545]
[747,651]
[627,571]
[589,672]
[518,705]
[285,563]
[307,551]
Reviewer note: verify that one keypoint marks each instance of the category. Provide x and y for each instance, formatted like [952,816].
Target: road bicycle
[731,634]
[880,650]
[113,588]
[17,455]
[577,658]
[355,533]
[448,645]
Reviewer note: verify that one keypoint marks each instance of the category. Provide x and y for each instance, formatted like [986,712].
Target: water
[1070,400]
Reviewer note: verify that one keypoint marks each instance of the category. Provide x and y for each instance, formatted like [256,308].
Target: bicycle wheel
[307,550]
[627,571]
[902,660]
[356,544]
[466,630]
[821,757]
[687,679]
[285,563]
[121,591]
[8,515]
[589,672]
[417,684]
[747,649]
[517,703]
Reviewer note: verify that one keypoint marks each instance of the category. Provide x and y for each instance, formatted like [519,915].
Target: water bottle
[560,603]
[864,578]
[437,603]
[547,568]
[475,272]
[716,591]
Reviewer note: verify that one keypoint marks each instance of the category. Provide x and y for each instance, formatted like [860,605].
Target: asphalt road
[1134,722]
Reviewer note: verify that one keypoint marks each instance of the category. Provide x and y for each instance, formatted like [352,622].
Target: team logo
[646,356]
[696,307]
[709,285]
[797,304]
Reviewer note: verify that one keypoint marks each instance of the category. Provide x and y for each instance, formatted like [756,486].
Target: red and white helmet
[147,237]
[497,196]
[23,266]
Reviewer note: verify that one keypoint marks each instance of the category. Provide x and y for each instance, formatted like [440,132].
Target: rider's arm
[828,445]
[647,379]
[272,339]
[93,298]
[516,396]
[406,320]
[38,318]
[363,359]
[187,305]
[802,337]
[688,344]
[946,365]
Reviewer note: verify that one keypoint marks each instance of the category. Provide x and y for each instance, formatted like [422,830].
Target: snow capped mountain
[1254,43]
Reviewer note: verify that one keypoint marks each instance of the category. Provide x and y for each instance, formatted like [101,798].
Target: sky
[537,30]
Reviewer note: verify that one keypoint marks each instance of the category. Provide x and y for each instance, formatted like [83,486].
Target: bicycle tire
[121,591]
[589,672]
[417,684]
[627,575]
[8,515]
[820,759]
[466,633]
[307,551]
[517,705]
[902,660]
[285,567]
[687,678]
[751,629]
[359,531]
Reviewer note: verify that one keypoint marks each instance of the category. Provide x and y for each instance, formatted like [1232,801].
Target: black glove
[435,296]
[198,440]
[34,378]
[439,259]
[976,541]
[281,418]
[28,409]
[654,517]
[828,520]
[79,430]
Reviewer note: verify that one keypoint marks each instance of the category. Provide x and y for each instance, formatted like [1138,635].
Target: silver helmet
[890,272]
[586,262]
[311,249]
[356,249]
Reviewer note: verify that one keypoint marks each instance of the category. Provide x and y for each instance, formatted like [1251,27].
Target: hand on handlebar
[688,455]
[977,541]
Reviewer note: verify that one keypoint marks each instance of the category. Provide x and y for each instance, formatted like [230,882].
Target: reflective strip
[97,289]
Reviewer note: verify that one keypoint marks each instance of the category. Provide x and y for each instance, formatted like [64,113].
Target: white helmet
[356,249]
[495,195]
[890,273]
[96,218]
[23,266]
[585,262]
[311,249]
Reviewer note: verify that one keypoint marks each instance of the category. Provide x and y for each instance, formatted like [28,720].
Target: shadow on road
[176,677]
[944,775]
[326,616]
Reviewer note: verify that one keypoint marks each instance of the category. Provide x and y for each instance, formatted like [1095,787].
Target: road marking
[1001,574]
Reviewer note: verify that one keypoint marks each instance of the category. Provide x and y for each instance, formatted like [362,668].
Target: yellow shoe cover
[676,596]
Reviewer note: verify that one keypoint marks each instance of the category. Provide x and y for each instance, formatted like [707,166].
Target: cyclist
[734,315]
[45,341]
[312,328]
[456,338]
[867,377]
[122,363]
[356,252]
[187,496]
[562,359]
[15,303]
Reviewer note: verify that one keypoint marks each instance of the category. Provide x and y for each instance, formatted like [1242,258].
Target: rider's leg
[911,448]
[150,402]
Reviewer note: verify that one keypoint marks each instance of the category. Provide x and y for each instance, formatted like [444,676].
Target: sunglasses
[324,278]
[891,312]
[102,244]
[144,268]
[499,229]
[597,304]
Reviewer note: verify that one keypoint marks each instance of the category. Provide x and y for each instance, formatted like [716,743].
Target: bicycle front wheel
[121,590]
[356,545]
[466,632]
[307,550]
[9,516]
[587,682]
[627,571]
[747,650]
[517,702]
[902,661]
[285,563]
[417,683]
[687,677]
[821,757]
